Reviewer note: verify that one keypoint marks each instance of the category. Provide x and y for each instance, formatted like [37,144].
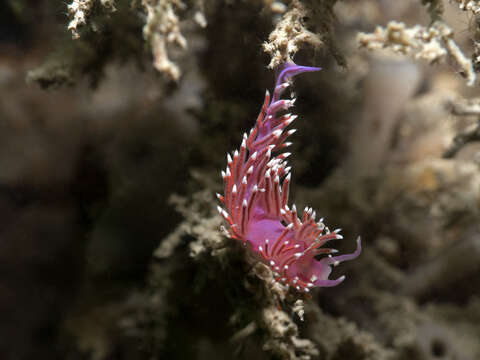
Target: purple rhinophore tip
[291,69]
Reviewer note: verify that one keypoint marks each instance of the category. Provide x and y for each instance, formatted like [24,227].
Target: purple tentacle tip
[291,69]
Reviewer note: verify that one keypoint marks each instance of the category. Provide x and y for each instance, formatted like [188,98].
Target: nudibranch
[255,201]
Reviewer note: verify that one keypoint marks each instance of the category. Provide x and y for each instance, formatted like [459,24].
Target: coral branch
[432,43]
[161,29]
[79,10]
[289,35]
[469,5]
[464,108]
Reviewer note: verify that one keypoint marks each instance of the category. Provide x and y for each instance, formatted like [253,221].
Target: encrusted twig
[284,340]
[473,7]
[432,43]
[79,10]
[469,5]
[464,108]
[289,35]
[161,29]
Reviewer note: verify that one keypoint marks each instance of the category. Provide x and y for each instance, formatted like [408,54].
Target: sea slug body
[255,201]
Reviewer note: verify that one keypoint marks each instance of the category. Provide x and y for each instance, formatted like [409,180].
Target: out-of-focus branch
[372,134]
[459,262]
[435,8]
[464,108]
[461,140]
[432,43]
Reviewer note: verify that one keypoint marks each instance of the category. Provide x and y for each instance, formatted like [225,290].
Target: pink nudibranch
[256,200]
